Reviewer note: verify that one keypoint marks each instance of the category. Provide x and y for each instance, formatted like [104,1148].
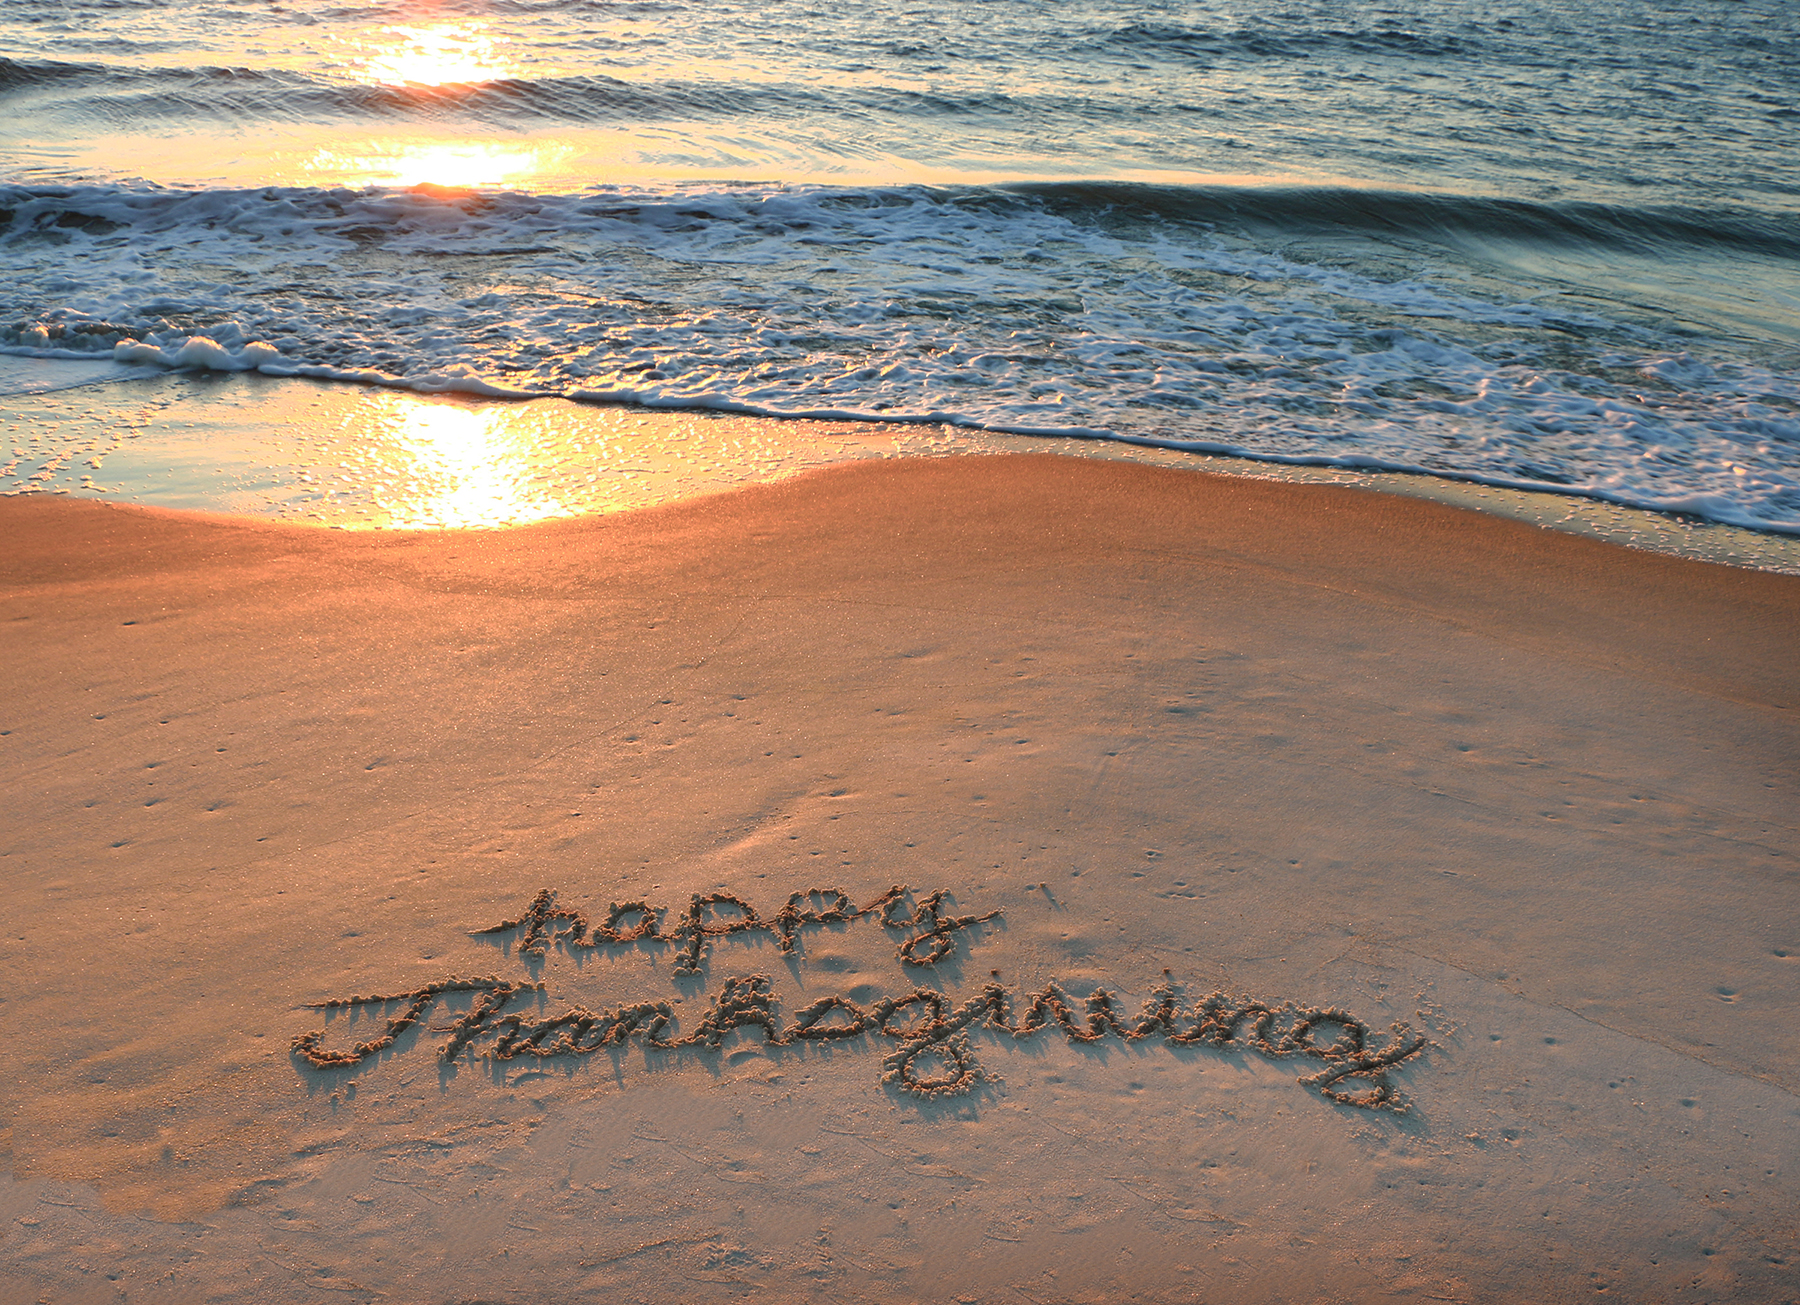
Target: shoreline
[352,456]
[1527,793]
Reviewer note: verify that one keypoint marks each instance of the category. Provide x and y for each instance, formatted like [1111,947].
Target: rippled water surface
[1548,245]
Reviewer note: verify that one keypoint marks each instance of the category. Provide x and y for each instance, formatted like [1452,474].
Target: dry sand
[1530,794]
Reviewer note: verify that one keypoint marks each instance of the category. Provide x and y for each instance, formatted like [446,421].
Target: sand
[1527,795]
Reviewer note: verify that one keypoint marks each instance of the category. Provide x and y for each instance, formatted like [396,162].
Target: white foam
[973,309]
[199,352]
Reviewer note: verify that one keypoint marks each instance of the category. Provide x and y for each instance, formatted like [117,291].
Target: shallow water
[1543,246]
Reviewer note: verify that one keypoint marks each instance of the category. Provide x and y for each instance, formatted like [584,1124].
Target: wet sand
[1525,793]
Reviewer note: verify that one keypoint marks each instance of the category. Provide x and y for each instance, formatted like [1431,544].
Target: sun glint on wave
[436,56]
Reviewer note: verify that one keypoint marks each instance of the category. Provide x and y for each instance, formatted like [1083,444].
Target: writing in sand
[934,1056]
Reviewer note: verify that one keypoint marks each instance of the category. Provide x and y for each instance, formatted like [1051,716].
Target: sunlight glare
[440,163]
[462,468]
[437,56]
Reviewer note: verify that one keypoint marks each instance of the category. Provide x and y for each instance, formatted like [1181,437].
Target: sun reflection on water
[444,55]
[404,162]
[435,56]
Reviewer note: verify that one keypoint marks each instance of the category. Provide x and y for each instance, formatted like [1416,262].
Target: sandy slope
[1531,794]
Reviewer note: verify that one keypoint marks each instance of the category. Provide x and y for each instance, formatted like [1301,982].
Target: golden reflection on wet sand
[458,466]
[365,458]
[399,461]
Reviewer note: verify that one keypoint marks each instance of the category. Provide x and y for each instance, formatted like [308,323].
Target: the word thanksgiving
[934,1057]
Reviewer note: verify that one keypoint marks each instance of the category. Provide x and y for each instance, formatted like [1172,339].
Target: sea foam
[977,307]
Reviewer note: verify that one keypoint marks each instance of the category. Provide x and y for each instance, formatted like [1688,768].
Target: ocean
[1547,246]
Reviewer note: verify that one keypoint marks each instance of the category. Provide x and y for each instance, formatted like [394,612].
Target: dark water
[1540,244]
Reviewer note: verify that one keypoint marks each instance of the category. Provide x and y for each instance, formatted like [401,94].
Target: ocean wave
[1617,103]
[1125,313]
[1323,209]
[1274,42]
[1273,212]
[128,93]
[127,96]
[16,74]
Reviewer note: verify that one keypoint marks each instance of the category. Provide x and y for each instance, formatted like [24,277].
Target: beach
[1045,654]
[1518,800]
